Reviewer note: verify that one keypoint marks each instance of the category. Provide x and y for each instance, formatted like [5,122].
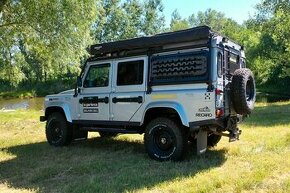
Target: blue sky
[239,10]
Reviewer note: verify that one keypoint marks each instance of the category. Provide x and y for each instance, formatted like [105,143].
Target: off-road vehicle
[176,87]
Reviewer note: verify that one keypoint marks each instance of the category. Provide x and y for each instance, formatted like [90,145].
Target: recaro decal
[204,112]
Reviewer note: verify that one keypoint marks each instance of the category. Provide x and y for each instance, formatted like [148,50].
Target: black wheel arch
[154,112]
[53,109]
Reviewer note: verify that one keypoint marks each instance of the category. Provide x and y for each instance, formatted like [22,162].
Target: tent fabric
[188,35]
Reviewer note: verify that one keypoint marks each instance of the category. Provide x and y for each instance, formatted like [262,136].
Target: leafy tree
[271,55]
[44,39]
[119,20]
[177,23]
[153,19]
[217,21]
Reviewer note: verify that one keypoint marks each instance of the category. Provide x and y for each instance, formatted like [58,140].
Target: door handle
[138,99]
[92,100]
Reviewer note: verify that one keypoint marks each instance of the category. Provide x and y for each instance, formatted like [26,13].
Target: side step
[111,130]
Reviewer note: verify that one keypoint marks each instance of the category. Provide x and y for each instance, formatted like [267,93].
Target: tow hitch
[232,128]
[234,135]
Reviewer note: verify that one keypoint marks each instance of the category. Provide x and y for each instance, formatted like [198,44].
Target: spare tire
[243,91]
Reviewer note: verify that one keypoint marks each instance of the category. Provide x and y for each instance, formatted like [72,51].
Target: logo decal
[204,109]
[90,105]
[204,112]
[207,96]
[92,110]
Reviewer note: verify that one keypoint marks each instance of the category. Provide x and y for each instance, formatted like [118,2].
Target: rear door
[128,89]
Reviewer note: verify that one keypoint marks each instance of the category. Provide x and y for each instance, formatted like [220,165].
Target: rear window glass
[219,64]
[233,63]
[130,73]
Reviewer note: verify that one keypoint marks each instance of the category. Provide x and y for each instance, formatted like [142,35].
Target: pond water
[13,104]
[37,103]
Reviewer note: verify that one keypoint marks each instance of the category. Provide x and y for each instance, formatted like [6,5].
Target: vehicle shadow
[270,115]
[96,165]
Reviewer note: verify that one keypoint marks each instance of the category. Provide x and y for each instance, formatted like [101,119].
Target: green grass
[259,162]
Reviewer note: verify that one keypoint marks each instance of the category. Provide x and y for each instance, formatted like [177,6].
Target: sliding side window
[130,73]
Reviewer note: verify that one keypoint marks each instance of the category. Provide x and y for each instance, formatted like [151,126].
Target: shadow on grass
[270,115]
[96,165]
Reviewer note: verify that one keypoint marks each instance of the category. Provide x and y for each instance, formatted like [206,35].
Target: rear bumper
[42,118]
[196,124]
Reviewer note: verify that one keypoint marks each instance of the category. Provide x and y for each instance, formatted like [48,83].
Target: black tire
[58,130]
[105,134]
[243,91]
[212,140]
[165,140]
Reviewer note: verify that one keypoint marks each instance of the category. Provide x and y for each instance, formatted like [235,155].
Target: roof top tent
[194,37]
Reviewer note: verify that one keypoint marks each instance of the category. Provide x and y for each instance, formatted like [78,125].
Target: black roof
[192,34]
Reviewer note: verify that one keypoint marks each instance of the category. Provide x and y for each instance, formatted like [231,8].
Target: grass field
[259,162]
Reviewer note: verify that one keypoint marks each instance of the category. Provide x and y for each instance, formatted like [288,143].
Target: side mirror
[77,88]
[79,82]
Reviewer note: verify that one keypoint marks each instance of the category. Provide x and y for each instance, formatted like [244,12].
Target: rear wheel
[165,140]
[58,130]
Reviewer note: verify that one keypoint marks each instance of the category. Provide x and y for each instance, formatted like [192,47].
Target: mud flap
[201,142]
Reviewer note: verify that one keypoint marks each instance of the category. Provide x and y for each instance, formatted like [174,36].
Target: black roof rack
[150,42]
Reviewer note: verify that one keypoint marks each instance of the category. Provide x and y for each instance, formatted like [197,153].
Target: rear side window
[219,64]
[97,76]
[233,62]
[130,73]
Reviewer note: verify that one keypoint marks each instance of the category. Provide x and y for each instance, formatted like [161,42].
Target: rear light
[219,112]
[218,92]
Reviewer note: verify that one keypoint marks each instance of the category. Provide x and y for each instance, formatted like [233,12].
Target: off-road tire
[104,134]
[212,140]
[243,91]
[58,130]
[165,140]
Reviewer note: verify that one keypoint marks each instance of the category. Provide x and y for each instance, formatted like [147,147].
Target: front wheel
[58,131]
[165,140]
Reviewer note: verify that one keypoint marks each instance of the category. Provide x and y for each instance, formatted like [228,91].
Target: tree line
[44,42]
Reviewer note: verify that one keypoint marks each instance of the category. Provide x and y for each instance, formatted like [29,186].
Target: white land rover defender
[189,85]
